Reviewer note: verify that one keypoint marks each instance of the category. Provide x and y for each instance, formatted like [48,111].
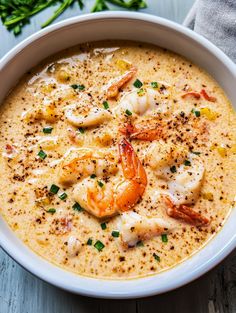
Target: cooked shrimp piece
[143,132]
[149,101]
[207,97]
[82,162]
[182,171]
[114,88]
[135,227]
[185,213]
[86,117]
[119,194]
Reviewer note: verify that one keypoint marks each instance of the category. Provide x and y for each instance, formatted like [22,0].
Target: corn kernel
[208,113]
[222,151]
[208,196]
[47,88]
[123,65]
[233,148]
[63,76]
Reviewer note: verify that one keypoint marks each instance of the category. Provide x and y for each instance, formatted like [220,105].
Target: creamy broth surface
[68,130]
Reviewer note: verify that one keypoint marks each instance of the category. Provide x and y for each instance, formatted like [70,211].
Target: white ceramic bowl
[131,26]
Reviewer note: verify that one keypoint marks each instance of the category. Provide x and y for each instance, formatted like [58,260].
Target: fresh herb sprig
[17,13]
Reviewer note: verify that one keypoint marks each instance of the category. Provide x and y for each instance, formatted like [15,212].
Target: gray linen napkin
[215,20]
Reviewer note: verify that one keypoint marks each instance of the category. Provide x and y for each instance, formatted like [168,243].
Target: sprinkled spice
[106,105]
[103,226]
[99,245]
[77,207]
[42,154]
[164,238]
[195,152]
[115,234]
[54,189]
[47,129]
[138,83]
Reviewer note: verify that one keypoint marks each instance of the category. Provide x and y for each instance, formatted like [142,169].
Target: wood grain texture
[21,292]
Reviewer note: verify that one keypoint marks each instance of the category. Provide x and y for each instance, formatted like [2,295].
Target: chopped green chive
[54,189]
[81,130]
[47,129]
[80,87]
[154,84]
[164,238]
[93,176]
[173,169]
[195,152]
[103,226]
[42,154]
[127,112]
[100,184]
[156,257]
[77,207]
[139,244]
[52,211]
[197,113]
[99,245]
[115,234]
[89,242]
[106,105]
[63,196]
[138,83]
[187,163]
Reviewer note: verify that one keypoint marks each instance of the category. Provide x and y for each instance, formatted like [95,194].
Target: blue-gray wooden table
[21,292]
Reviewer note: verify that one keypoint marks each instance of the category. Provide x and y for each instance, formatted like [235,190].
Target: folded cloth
[215,20]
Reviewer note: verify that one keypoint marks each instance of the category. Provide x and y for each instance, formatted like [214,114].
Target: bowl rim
[107,292]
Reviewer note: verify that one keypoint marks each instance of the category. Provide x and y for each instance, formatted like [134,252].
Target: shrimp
[82,162]
[134,227]
[180,170]
[142,132]
[118,195]
[113,89]
[148,101]
[185,213]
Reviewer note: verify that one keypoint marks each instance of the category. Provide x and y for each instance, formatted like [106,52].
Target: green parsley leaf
[81,130]
[93,176]
[127,112]
[195,152]
[47,129]
[187,163]
[54,189]
[63,196]
[106,105]
[89,242]
[115,234]
[156,257]
[100,184]
[140,244]
[42,154]
[197,113]
[77,207]
[99,245]
[103,226]
[173,169]
[52,211]
[138,83]
[164,238]
[154,84]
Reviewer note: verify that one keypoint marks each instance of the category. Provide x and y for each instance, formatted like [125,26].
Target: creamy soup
[117,159]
